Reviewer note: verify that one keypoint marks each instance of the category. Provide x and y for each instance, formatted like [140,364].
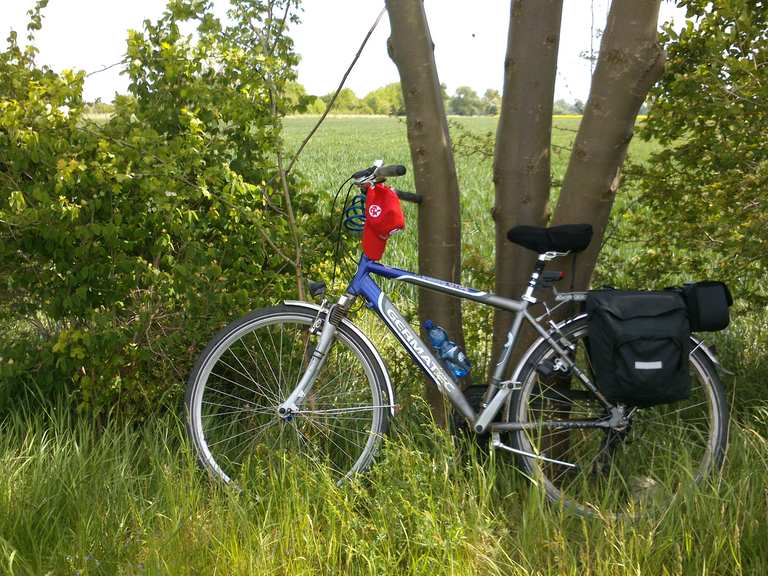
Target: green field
[346,144]
[128,499]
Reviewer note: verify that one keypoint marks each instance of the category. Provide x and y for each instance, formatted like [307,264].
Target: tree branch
[336,94]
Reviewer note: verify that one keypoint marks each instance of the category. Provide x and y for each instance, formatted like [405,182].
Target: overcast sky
[469,42]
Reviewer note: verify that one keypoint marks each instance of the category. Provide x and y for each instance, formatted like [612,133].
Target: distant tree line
[388,100]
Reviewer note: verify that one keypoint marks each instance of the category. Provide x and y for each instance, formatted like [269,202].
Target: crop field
[128,499]
[346,144]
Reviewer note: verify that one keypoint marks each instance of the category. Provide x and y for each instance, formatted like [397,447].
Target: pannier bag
[638,343]
[707,304]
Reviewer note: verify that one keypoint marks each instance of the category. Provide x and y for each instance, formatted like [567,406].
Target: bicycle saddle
[564,238]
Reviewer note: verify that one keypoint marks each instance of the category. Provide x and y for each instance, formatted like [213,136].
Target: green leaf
[17,201]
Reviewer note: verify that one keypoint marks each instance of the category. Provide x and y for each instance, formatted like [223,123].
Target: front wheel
[251,367]
[605,469]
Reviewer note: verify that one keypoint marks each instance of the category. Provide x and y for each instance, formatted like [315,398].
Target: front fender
[375,353]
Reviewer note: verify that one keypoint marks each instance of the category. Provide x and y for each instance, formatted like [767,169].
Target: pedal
[498,444]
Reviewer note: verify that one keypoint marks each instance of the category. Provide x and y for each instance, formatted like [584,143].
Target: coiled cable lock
[354,214]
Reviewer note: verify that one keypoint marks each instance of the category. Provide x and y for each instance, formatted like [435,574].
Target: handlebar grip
[409,196]
[390,171]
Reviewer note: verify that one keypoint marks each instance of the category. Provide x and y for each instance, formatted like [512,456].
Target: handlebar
[409,196]
[365,173]
[390,171]
[378,173]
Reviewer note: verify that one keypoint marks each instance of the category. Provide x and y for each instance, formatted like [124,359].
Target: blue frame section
[363,285]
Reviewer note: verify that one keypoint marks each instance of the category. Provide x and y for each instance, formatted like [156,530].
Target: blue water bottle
[447,350]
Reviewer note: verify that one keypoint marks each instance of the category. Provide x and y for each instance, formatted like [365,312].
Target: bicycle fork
[333,316]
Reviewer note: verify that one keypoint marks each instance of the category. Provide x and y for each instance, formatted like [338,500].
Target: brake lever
[365,173]
[368,172]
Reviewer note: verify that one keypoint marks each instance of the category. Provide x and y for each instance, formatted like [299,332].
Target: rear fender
[699,344]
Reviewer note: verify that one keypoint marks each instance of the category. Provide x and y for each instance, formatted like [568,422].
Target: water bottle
[448,351]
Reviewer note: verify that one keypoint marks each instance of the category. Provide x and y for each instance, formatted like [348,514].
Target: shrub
[702,204]
[127,242]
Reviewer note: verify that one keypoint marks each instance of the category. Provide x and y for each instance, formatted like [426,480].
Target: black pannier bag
[707,304]
[638,345]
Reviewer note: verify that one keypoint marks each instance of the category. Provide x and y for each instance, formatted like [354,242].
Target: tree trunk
[629,63]
[521,169]
[411,48]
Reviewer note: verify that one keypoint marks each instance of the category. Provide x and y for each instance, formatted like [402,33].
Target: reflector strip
[648,365]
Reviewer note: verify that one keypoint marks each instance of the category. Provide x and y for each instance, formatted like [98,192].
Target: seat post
[541,261]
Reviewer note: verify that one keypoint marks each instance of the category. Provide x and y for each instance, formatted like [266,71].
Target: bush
[125,243]
[702,204]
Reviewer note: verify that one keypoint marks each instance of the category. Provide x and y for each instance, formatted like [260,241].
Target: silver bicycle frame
[499,388]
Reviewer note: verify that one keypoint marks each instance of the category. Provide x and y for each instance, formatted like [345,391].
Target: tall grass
[79,500]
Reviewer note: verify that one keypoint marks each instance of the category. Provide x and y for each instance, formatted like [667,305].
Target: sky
[469,44]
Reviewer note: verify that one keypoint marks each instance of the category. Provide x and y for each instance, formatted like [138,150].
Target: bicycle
[300,378]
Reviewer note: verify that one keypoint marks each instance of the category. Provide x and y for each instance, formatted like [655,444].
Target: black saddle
[565,238]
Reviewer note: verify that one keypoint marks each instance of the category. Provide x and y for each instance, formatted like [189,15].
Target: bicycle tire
[242,379]
[665,446]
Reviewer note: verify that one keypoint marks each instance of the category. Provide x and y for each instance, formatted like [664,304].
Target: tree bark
[521,169]
[629,63]
[411,48]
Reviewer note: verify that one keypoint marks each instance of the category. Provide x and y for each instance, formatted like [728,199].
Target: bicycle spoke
[228,394]
[280,361]
[229,423]
[261,409]
[666,414]
[272,422]
[337,426]
[241,410]
[339,420]
[269,365]
[256,365]
[241,385]
[279,364]
[330,440]
[343,410]
[653,449]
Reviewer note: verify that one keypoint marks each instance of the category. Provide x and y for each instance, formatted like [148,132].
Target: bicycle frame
[364,286]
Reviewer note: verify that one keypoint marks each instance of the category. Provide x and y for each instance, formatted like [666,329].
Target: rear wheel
[251,367]
[616,470]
